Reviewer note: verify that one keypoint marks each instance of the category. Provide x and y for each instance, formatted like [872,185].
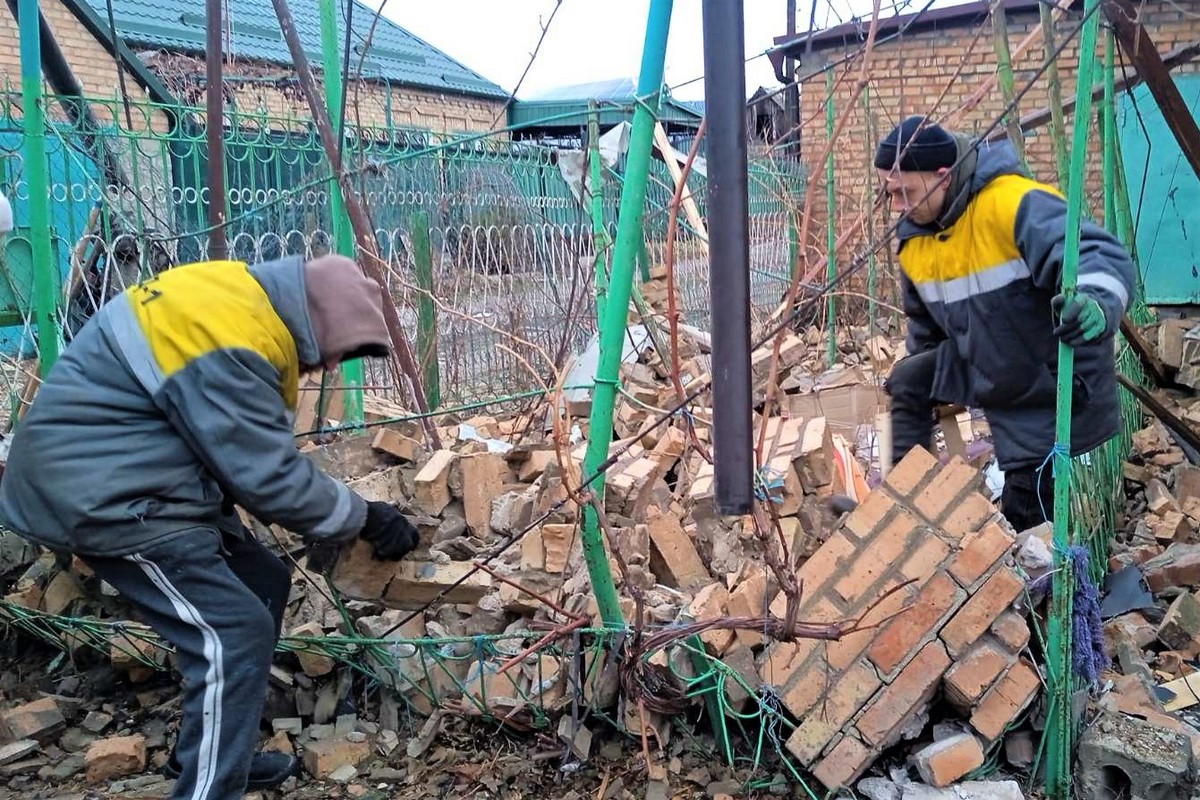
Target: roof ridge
[397,55]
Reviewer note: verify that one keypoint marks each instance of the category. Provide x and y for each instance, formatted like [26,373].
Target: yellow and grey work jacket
[977,286]
[177,393]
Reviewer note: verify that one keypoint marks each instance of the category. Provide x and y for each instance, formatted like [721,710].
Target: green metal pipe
[1108,124]
[612,332]
[343,234]
[1004,71]
[427,349]
[831,233]
[1060,725]
[872,269]
[600,241]
[37,171]
[1058,126]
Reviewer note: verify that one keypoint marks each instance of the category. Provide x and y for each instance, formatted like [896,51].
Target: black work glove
[323,555]
[390,533]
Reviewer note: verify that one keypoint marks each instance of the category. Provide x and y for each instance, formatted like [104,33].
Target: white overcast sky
[591,40]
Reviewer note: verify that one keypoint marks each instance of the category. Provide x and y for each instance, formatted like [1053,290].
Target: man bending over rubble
[172,404]
[981,252]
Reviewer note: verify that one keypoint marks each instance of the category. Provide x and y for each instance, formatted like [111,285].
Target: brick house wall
[272,90]
[913,75]
[401,106]
[96,71]
[94,67]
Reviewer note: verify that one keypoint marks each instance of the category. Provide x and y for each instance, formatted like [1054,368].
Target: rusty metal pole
[215,129]
[364,234]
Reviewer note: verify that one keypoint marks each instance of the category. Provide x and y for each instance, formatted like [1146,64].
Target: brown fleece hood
[345,308]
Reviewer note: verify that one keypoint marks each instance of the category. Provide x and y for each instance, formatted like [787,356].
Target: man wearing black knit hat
[981,247]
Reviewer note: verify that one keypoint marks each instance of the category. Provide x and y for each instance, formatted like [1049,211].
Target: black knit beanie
[923,147]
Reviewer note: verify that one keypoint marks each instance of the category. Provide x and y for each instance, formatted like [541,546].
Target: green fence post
[831,233]
[1060,722]
[612,330]
[1004,70]
[343,235]
[1057,125]
[600,240]
[427,349]
[872,267]
[37,172]
[1108,120]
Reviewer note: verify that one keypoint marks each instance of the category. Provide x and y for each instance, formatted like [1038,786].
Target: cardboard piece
[843,407]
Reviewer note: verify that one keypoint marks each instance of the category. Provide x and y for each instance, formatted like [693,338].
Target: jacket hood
[283,281]
[345,308]
[978,164]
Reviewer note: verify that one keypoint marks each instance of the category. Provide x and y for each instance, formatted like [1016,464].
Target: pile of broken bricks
[939,673]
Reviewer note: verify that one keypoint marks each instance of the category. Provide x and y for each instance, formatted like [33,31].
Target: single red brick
[1178,565]
[827,718]
[942,763]
[934,603]
[746,600]
[870,513]
[982,609]
[975,673]
[921,565]
[911,472]
[905,697]
[1007,699]
[876,558]
[935,498]
[980,551]
[1012,630]
[41,720]
[845,762]
[115,757]
[968,515]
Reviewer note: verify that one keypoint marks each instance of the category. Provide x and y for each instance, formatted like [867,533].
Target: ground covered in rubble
[881,634]
[461,758]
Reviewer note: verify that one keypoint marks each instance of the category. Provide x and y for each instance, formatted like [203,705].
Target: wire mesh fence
[513,248]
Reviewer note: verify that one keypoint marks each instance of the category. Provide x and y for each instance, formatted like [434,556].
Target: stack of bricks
[927,565]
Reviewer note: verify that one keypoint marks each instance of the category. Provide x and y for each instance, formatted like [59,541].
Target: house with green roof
[402,80]
[140,156]
[560,115]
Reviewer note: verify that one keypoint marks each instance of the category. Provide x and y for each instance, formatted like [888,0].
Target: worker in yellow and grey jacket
[174,402]
[981,251]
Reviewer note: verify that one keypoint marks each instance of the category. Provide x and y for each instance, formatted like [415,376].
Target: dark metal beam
[1140,48]
[729,254]
[214,124]
[791,97]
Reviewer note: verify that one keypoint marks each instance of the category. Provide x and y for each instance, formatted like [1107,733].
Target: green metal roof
[395,54]
[567,106]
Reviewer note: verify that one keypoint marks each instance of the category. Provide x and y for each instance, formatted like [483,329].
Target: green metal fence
[512,247]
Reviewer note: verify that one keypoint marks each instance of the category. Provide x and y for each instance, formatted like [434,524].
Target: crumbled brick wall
[947,629]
